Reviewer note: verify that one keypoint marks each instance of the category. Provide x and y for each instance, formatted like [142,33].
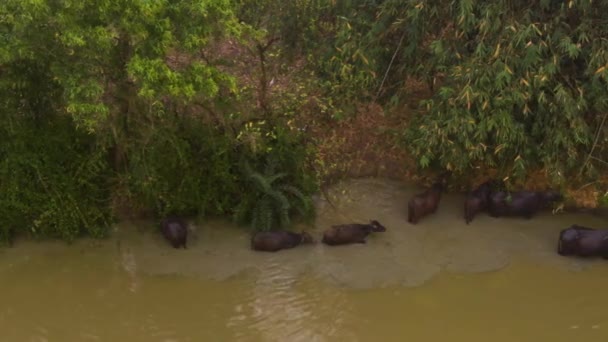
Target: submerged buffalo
[277,240]
[583,241]
[522,203]
[425,203]
[477,200]
[351,233]
[175,230]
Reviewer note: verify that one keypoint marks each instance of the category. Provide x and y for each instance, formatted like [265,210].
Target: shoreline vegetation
[246,109]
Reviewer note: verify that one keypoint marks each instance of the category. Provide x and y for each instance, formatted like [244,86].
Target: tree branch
[263,78]
[597,137]
[390,65]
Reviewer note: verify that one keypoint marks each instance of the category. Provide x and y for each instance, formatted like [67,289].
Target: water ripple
[279,308]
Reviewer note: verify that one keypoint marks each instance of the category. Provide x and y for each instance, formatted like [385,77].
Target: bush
[275,181]
[182,167]
[54,180]
[521,88]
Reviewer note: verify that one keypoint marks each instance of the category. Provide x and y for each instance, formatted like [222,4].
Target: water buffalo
[351,233]
[477,200]
[522,203]
[583,241]
[425,203]
[175,230]
[277,240]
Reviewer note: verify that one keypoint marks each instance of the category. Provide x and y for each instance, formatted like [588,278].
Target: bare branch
[389,65]
[597,137]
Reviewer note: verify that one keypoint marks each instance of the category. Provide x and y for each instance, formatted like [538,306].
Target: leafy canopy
[95,50]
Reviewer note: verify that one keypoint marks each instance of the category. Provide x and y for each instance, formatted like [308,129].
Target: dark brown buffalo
[477,200]
[351,233]
[277,240]
[522,203]
[425,203]
[175,230]
[583,241]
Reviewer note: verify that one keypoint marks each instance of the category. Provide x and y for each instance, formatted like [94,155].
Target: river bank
[370,145]
[407,282]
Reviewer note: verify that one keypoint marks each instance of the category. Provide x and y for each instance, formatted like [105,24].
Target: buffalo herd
[489,197]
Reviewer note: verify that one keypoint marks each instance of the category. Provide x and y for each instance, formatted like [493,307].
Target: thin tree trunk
[263,93]
[126,97]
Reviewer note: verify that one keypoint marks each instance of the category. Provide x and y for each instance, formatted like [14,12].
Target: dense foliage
[135,101]
[116,102]
[523,86]
[54,181]
[515,85]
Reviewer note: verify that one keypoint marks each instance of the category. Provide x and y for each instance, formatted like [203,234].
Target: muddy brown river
[441,280]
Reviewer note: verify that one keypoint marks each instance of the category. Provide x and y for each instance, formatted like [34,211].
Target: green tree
[523,87]
[106,57]
[122,86]
[516,85]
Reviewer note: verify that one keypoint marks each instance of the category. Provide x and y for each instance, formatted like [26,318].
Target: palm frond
[261,182]
[271,166]
[295,192]
[265,181]
[282,206]
[273,200]
[264,214]
[305,200]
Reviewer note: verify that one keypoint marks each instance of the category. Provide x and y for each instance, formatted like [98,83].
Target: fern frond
[280,199]
[271,166]
[272,201]
[282,205]
[305,200]
[264,183]
[266,214]
[294,191]
[261,182]
[273,178]
[262,215]
[303,211]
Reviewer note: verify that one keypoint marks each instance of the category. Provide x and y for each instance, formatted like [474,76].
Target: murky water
[493,280]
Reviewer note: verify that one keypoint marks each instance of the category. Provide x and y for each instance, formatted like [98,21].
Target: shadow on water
[440,273]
